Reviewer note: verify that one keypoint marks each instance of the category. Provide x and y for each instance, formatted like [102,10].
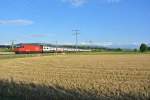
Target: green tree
[118,49]
[148,48]
[135,50]
[143,47]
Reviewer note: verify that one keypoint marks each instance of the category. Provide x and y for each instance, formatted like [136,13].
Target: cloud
[97,43]
[104,43]
[113,1]
[38,35]
[16,22]
[76,3]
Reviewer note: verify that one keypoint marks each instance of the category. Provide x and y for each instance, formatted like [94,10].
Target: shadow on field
[10,90]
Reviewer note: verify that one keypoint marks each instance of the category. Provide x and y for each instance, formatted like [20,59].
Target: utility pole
[12,44]
[90,44]
[76,34]
[56,46]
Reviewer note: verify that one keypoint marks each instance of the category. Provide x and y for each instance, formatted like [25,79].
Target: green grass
[5,50]
[101,53]
[13,56]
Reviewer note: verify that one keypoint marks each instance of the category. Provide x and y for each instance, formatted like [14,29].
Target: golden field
[76,77]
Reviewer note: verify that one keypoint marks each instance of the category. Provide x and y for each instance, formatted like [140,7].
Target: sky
[104,22]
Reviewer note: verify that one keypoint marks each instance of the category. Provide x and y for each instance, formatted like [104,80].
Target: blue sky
[104,22]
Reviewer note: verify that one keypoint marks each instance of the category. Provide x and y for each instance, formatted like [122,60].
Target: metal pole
[76,33]
[76,41]
[12,44]
[90,44]
[56,47]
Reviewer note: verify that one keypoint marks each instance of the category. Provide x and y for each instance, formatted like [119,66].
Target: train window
[18,46]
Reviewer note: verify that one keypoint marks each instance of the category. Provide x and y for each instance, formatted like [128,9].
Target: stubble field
[76,77]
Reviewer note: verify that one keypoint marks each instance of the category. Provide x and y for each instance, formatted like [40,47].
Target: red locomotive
[28,48]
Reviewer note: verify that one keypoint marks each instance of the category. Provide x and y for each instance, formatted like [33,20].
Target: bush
[143,47]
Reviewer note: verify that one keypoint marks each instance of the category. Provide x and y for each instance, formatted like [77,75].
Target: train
[36,48]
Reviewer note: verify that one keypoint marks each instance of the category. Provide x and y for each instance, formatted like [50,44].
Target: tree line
[144,47]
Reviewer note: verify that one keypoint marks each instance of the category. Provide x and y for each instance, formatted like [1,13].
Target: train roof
[37,44]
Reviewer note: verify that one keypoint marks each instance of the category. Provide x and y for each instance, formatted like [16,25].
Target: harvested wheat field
[76,77]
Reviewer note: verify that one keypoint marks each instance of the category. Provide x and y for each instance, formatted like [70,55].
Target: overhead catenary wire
[76,36]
